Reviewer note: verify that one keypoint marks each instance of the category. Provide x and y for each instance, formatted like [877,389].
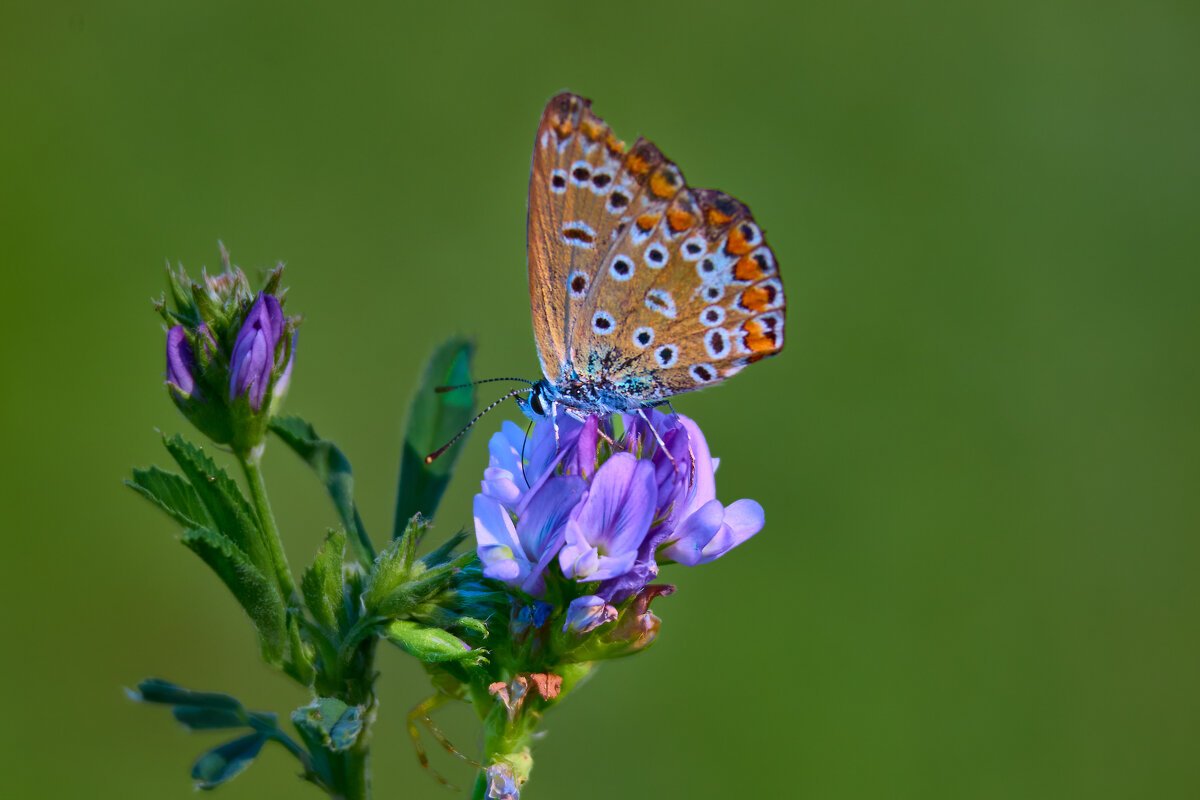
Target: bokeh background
[978,452]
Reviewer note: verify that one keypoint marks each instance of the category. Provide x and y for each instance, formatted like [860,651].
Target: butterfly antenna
[444,389]
[430,458]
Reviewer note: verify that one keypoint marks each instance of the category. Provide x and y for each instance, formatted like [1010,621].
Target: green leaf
[323,584]
[228,508]
[156,690]
[433,420]
[224,763]
[333,469]
[195,718]
[329,721]
[173,494]
[257,595]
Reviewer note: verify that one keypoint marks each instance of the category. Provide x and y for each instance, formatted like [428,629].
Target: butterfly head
[541,399]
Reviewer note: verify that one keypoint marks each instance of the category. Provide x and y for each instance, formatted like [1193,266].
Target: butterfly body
[640,286]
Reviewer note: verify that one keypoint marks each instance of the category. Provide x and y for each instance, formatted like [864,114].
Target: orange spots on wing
[637,165]
[591,129]
[680,220]
[647,221]
[717,217]
[737,244]
[564,128]
[614,145]
[662,186]
[758,340]
[747,269]
[755,299]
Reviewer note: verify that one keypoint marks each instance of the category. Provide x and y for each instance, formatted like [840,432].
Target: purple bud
[181,364]
[253,358]
[588,612]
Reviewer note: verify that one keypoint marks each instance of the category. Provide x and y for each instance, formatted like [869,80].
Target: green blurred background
[978,453]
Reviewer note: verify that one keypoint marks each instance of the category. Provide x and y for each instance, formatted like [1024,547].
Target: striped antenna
[444,389]
[429,458]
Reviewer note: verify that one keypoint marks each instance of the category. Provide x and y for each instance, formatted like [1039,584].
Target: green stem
[258,493]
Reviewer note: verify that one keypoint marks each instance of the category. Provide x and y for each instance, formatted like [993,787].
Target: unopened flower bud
[181,365]
[588,612]
[253,360]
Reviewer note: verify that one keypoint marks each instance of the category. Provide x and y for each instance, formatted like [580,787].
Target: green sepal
[433,419]
[323,584]
[181,295]
[393,567]
[299,663]
[229,510]
[226,762]
[173,494]
[258,596]
[329,722]
[431,645]
[333,470]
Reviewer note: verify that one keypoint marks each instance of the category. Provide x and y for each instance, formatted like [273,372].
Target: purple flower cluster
[605,509]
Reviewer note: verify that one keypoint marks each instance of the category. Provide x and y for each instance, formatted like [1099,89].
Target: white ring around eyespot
[666,304]
[716,312]
[666,363]
[712,373]
[559,173]
[649,332]
[603,316]
[606,188]
[617,276]
[571,281]
[660,251]
[700,242]
[722,336]
[576,181]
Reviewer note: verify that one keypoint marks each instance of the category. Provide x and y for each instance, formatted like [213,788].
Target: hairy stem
[258,493]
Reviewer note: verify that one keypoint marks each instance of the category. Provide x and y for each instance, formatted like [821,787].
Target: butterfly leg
[421,713]
[663,445]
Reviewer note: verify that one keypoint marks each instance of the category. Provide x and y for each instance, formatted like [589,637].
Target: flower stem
[258,493]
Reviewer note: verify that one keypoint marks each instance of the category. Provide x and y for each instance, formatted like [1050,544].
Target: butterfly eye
[535,403]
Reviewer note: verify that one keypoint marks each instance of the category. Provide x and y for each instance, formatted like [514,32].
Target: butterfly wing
[571,182]
[686,296]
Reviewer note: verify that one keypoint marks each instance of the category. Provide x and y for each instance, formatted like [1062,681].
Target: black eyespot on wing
[581,173]
[707,266]
[558,182]
[643,338]
[693,248]
[618,200]
[600,180]
[716,343]
[579,283]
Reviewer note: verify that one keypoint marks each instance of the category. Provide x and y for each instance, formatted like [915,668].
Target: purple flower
[605,507]
[181,363]
[606,530]
[588,612]
[253,358]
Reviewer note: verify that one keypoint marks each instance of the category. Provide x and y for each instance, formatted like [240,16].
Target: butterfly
[640,286]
